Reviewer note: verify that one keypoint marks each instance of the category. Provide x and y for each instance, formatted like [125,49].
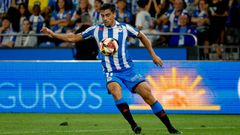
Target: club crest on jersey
[109,78]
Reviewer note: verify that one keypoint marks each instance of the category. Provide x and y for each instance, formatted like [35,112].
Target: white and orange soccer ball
[108,46]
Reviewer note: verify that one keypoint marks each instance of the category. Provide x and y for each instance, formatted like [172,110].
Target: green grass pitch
[114,124]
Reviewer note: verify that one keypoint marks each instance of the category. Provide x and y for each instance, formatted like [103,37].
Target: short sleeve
[132,32]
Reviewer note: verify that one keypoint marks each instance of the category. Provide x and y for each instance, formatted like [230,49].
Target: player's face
[108,17]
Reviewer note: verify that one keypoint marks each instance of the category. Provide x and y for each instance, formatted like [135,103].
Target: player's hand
[157,60]
[47,31]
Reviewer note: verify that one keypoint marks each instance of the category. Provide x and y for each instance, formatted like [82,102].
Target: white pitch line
[107,130]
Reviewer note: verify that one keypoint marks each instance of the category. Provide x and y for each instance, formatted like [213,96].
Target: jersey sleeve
[132,32]
[88,32]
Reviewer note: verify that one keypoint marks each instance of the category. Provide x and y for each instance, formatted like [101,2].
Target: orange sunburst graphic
[178,92]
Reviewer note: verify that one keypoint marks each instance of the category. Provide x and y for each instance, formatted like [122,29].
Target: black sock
[124,109]
[164,118]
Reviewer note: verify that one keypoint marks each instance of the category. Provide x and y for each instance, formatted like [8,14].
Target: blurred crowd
[214,22]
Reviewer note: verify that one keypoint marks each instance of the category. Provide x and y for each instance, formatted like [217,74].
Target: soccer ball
[108,46]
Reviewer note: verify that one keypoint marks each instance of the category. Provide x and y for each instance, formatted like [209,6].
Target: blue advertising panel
[165,53]
[79,87]
[69,53]
[37,53]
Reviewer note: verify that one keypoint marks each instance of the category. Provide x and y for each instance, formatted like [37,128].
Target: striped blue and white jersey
[5,5]
[120,60]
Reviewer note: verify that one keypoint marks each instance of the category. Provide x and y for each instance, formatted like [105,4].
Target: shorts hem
[134,87]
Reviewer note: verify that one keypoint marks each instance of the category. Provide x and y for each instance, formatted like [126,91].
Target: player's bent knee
[115,89]
[113,86]
[146,92]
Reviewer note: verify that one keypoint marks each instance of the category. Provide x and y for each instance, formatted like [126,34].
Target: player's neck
[113,24]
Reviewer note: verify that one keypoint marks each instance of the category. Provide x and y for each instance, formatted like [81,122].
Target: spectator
[14,17]
[155,7]
[47,16]
[143,18]
[122,14]
[172,15]
[201,21]
[217,15]
[160,7]
[61,17]
[24,13]
[6,28]
[43,4]
[152,34]
[26,41]
[84,7]
[96,17]
[36,19]
[233,23]
[86,49]
[184,27]
[70,4]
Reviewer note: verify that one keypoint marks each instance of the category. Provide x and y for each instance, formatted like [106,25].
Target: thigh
[131,79]
[115,89]
[114,85]
[144,90]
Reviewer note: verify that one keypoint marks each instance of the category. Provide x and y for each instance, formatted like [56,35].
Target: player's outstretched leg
[124,109]
[144,90]
[161,114]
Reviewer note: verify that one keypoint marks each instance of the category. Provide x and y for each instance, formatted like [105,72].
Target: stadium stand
[216,41]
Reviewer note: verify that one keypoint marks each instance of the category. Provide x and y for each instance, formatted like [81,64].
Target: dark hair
[6,18]
[109,6]
[67,5]
[142,3]
[27,13]
[100,1]
[36,6]
[122,0]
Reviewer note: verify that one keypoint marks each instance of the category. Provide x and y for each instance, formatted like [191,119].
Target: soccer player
[119,68]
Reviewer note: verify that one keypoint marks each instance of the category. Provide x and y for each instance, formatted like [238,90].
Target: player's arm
[157,60]
[64,37]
